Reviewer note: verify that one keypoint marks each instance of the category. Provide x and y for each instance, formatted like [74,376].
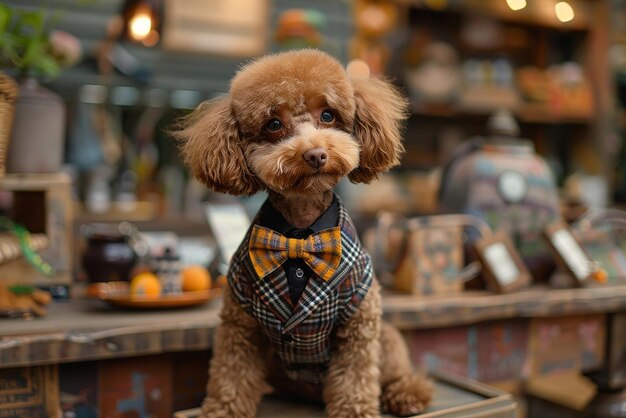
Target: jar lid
[503,123]
[168,255]
[101,231]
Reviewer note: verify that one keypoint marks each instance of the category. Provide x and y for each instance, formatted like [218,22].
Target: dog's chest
[302,334]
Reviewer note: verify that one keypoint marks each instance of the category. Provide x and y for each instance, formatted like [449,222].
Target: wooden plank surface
[455,397]
[83,329]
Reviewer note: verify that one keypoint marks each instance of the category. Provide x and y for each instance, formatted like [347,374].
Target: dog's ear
[380,109]
[210,146]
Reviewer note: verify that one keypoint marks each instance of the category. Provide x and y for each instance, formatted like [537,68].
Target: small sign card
[229,223]
[503,268]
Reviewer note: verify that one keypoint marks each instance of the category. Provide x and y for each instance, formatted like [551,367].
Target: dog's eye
[327,116]
[274,125]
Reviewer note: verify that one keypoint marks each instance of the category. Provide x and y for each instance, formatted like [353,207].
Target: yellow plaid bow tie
[321,251]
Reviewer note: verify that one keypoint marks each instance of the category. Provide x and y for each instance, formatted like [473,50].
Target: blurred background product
[300,28]
[500,179]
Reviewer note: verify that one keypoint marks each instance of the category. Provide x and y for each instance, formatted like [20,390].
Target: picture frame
[503,268]
[229,28]
[228,222]
[569,253]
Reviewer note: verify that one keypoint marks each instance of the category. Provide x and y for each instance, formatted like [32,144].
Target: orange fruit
[145,284]
[221,281]
[600,275]
[195,278]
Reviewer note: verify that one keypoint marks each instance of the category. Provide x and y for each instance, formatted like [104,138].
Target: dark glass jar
[109,256]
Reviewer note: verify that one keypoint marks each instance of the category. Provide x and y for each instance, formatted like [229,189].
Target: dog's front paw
[213,408]
[408,396]
[356,410]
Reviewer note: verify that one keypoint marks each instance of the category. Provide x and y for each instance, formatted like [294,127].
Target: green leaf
[21,289]
[8,52]
[5,17]
[35,21]
[24,41]
[47,65]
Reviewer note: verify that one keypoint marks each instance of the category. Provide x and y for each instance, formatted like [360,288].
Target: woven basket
[8,95]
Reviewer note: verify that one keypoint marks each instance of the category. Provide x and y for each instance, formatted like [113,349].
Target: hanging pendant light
[142,21]
[516,5]
[564,11]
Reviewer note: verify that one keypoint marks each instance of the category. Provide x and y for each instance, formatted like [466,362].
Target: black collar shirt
[296,270]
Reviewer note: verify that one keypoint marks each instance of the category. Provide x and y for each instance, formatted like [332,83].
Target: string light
[140,21]
[140,24]
[516,4]
[564,11]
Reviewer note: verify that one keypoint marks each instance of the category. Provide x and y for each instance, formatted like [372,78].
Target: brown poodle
[294,124]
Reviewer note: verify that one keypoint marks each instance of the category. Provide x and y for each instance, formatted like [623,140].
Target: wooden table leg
[610,401]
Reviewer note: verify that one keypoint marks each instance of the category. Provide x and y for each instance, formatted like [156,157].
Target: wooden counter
[407,312]
[81,330]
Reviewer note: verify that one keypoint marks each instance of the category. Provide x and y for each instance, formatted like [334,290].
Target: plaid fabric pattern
[320,251]
[301,334]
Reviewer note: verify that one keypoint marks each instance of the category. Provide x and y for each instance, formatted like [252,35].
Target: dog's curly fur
[230,147]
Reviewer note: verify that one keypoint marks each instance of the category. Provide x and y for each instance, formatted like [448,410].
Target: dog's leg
[404,393]
[352,388]
[237,373]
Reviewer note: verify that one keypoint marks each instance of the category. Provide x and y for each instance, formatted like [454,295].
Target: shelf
[542,17]
[541,115]
[525,114]
[619,38]
[34,181]
[43,204]
[134,212]
[413,312]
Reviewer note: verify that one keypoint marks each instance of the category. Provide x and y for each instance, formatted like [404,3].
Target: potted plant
[33,53]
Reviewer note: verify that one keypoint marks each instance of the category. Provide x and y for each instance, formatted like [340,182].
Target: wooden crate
[29,392]
[43,204]
[455,397]
[128,387]
[562,344]
[486,352]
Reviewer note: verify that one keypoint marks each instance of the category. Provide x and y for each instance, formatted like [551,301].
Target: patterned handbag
[424,255]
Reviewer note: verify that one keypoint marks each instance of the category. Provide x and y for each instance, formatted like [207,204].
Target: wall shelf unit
[528,44]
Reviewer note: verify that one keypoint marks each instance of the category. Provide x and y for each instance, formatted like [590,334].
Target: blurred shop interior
[499,239]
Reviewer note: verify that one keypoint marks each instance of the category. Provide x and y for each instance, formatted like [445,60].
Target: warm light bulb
[564,11]
[516,4]
[140,24]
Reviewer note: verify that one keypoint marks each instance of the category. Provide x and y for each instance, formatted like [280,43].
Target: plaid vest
[301,335]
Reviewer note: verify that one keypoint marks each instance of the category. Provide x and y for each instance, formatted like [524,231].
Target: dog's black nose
[316,157]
